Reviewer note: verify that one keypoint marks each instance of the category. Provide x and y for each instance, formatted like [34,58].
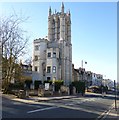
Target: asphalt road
[90,106]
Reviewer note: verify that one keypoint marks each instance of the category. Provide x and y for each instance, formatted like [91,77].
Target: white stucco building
[97,79]
[52,56]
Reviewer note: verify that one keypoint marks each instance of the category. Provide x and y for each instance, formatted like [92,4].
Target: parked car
[94,89]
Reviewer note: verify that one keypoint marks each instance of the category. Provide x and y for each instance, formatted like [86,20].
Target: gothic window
[53,29]
[43,68]
[54,54]
[35,68]
[58,29]
[66,30]
[35,57]
[54,69]
[48,78]
[59,55]
[49,54]
[48,69]
[36,47]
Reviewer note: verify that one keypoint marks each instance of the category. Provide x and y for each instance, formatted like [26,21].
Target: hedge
[37,83]
[58,84]
[79,85]
[28,83]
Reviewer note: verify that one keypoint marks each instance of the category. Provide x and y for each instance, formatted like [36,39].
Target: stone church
[52,56]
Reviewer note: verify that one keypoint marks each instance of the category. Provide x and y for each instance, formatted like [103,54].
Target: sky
[93,31]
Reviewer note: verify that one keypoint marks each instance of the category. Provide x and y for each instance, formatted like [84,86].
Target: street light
[82,71]
[82,63]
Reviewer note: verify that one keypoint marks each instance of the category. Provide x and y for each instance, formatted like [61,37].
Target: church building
[52,56]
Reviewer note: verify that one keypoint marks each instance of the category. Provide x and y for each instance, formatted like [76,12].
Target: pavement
[37,99]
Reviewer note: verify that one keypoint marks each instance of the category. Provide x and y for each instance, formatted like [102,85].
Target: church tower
[59,31]
[59,25]
[52,56]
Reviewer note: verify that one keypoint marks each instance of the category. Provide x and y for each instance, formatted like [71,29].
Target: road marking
[77,108]
[82,101]
[48,108]
[105,113]
[70,104]
[114,114]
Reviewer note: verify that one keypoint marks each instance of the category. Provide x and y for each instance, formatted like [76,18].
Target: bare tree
[28,61]
[14,43]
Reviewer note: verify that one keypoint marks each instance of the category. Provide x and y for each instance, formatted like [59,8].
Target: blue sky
[94,31]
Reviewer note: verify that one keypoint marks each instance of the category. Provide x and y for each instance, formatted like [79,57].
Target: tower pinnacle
[62,8]
[50,11]
[69,12]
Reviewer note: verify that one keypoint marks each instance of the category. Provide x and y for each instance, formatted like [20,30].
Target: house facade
[97,79]
[0,64]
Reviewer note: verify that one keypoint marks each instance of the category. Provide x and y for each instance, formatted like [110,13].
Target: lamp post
[53,83]
[104,86]
[82,63]
[82,71]
[115,95]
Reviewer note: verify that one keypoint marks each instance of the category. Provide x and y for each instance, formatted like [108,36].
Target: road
[90,106]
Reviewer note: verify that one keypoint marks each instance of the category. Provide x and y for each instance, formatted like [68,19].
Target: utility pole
[82,64]
[115,95]
[83,71]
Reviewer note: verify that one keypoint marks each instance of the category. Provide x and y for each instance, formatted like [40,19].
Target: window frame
[54,54]
[48,54]
[35,68]
[36,47]
[48,79]
[35,58]
[49,70]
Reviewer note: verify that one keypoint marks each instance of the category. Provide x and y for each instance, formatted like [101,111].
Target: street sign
[47,86]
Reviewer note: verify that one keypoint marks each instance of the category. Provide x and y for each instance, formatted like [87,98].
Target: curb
[38,100]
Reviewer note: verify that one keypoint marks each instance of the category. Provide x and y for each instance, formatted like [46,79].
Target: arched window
[58,29]
[53,29]
[54,69]
[66,30]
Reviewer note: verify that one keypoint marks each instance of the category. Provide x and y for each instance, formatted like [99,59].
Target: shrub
[79,85]
[28,83]
[11,87]
[58,84]
[16,86]
[37,83]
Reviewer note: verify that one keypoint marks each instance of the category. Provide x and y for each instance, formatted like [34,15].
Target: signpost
[115,95]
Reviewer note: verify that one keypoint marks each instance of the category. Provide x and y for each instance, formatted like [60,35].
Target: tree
[14,43]
[118,86]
